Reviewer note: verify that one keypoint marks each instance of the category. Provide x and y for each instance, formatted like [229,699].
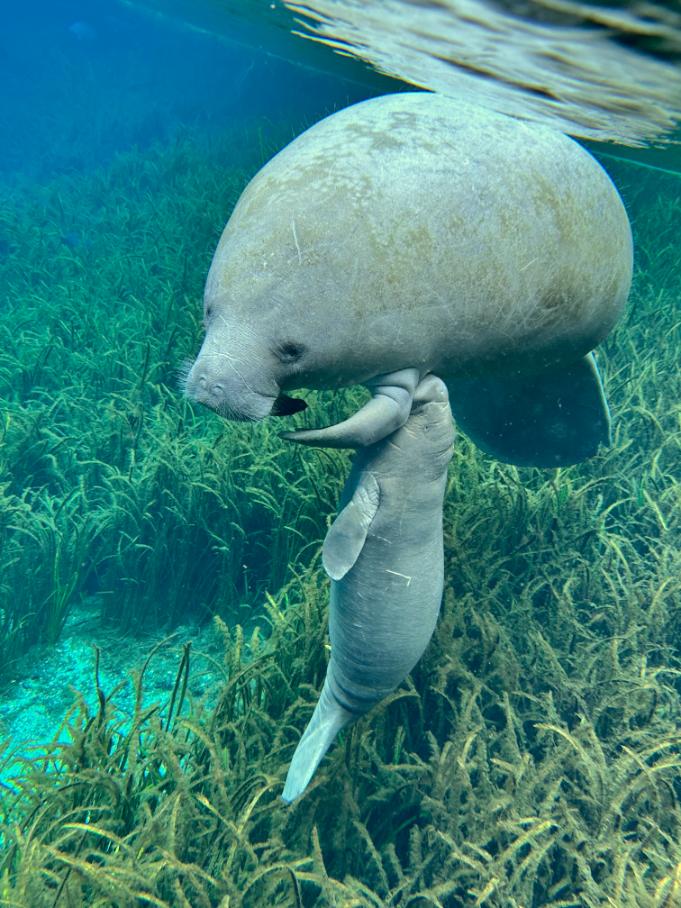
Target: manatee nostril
[214,389]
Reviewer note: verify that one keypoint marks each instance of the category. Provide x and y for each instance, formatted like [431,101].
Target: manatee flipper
[347,534]
[386,411]
[548,420]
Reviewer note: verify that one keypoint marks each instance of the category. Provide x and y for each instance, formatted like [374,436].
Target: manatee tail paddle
[327,720]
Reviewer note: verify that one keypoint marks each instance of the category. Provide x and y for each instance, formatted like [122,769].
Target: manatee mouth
[287,406]
[282,405]
[250,408]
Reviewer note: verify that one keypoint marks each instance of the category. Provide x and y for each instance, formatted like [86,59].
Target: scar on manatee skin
[295,240]
[397,574]
[531,262]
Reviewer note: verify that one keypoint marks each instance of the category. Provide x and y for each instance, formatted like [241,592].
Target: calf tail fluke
[327,720]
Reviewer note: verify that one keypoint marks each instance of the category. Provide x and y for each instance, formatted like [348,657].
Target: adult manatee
[411,234]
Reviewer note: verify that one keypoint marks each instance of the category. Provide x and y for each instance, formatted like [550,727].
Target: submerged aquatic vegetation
[533,758]
[111,485]
[505,774]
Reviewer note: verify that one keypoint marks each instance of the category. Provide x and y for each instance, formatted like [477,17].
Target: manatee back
[415,230]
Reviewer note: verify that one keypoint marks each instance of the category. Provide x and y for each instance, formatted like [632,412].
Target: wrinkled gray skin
[416,232]
[384,554]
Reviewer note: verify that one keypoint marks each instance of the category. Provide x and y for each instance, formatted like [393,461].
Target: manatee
[417,232]
[384,554]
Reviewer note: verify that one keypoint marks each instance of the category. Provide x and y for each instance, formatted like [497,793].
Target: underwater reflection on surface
[606,73]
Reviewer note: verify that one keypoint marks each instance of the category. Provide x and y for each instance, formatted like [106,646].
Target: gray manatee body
[413,231]
[384,554]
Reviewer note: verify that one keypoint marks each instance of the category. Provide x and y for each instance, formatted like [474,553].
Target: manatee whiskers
[182,375]
[232,415]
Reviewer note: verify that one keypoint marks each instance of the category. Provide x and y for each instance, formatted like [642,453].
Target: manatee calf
[384,554]
[414,231]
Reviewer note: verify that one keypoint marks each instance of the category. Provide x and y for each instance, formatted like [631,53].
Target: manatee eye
[290,351]
[208,313]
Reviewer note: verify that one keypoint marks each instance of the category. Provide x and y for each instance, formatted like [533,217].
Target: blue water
[81,81]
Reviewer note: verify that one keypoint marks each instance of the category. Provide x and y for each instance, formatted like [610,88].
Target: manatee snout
[218,382]
[226,386]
